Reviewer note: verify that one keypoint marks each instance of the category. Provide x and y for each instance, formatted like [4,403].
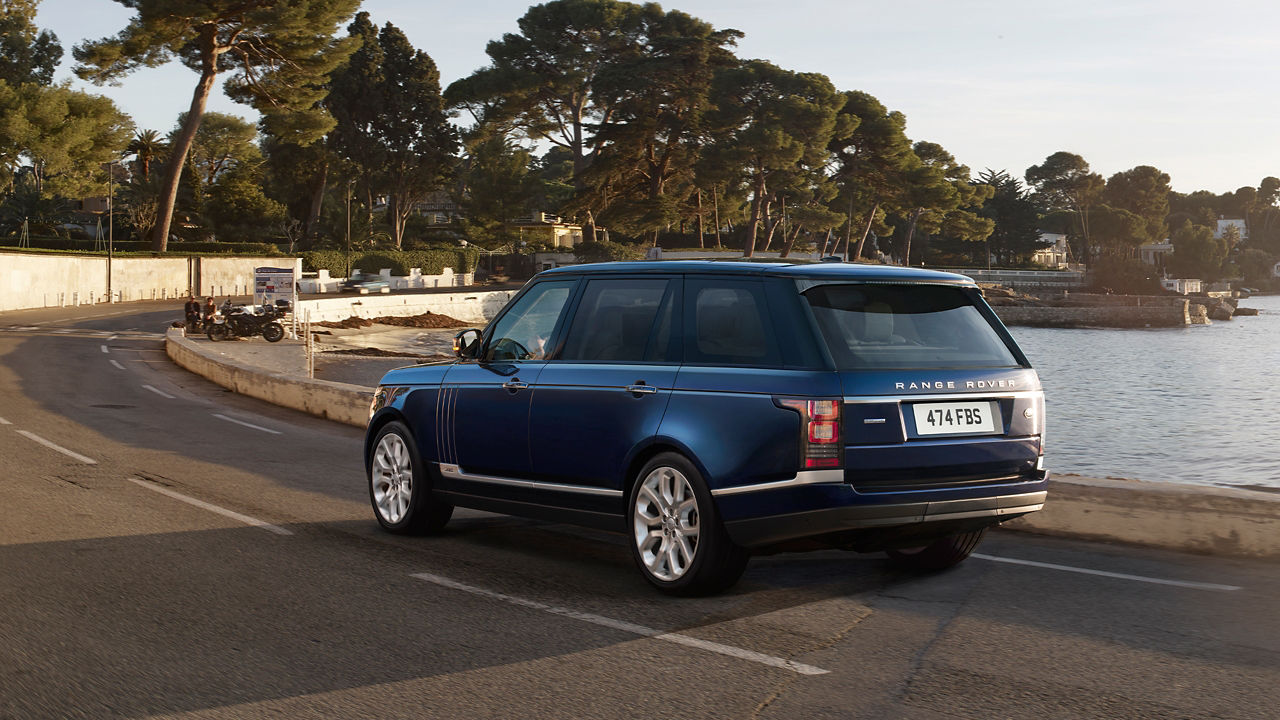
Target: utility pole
[110,228]
[348,253]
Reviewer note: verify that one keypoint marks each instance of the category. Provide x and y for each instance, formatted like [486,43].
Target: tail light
[820,444]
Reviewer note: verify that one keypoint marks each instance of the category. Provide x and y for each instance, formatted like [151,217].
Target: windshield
[896,327]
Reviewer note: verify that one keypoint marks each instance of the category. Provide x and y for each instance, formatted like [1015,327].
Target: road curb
[341,402]
[1188,518]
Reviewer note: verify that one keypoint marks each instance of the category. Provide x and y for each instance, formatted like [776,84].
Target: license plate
[955,418]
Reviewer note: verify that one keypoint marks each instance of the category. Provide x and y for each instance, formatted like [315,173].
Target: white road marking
[63,330]
[104,349]
[634,629]
[59,448]
[210,507]
[4,422]
[248,425]
[1105,573]
[118,365]
[113,337]
[158,391]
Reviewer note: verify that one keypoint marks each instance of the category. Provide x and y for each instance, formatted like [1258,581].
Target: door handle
[514,385]
[642,389]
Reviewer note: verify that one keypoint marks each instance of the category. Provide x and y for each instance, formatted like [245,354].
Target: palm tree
[148,146]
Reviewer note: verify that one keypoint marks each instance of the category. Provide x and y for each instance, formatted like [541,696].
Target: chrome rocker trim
[453,472]
[804,477]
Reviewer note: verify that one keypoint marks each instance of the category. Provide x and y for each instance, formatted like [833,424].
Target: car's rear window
[892,327]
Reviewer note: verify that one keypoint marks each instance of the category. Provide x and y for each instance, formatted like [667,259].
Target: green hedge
[432,262]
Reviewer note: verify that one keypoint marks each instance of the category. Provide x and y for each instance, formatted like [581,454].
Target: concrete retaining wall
[415,280]
[46,280]
[1119,316]
[473,307]
[1190,518]
[331,400]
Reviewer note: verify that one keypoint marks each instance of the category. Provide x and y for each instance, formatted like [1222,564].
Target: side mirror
[466,343]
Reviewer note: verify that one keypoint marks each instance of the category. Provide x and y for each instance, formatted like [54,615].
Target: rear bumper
[847,510]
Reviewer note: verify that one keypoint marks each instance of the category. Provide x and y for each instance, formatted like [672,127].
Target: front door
[604,394]
[483,412]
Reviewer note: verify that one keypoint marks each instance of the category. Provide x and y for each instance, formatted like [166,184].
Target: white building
[1055,255]
[1182,286]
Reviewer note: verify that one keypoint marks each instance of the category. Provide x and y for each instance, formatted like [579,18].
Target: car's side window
[729,324]
[522,333]
[621,320]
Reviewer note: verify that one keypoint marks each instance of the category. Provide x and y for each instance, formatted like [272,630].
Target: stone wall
[31,280]
[472,307]
[1120,316]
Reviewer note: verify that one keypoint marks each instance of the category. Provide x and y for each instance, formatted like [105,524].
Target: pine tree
[276,55]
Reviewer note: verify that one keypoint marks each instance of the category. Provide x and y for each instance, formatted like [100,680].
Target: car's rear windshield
[896,327]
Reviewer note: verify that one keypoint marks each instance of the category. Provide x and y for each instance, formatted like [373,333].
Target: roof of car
[816,271]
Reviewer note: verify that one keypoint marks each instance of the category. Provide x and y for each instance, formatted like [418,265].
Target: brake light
[820,445]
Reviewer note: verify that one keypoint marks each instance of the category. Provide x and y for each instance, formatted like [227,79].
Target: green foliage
[605,251]
[432,262]
[278,55]
[391,120]
[1197,253]
[874,160]
[1125,276]
[1143,191]
[768,123]
[222,142]
[26,55]
[1256,266]
[64,136]
[1016,234]
[497,186]
[1063,182]
[239,209]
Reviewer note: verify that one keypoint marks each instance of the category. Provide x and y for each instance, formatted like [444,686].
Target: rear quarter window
[727,323]
[890,327]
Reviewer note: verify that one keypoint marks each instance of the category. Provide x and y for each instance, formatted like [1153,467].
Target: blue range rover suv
[711,410]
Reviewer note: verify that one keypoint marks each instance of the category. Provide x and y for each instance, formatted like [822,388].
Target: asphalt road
[170,549]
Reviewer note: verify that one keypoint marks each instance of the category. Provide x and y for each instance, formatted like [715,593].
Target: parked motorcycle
[238,321]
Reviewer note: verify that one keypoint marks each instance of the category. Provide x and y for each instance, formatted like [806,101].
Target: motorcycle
[238,321]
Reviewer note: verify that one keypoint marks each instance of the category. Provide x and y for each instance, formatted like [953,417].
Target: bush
[371,262]
[606,250]
[179,248]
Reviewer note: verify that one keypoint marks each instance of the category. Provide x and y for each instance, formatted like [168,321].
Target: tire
[217,332]
[676,537]
[940,554]
[399,485]
[273,332]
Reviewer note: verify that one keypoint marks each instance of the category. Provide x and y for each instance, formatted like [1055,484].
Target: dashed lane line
[118,365]
[1116,575]
[220,416]
[104,349]
[59,448]
[255,522]
[158,391]
[628,627]
[4,422]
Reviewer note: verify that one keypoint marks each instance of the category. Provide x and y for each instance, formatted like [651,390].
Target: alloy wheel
[666,523]
[392,478]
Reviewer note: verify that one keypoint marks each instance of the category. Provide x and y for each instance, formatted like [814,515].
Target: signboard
[271,284]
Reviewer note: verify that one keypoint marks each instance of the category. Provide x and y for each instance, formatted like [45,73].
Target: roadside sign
[271,284]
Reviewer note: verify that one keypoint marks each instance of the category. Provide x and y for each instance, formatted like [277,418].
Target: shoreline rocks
[1074,310]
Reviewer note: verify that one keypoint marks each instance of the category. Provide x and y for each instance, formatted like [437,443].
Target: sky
[1187,87]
